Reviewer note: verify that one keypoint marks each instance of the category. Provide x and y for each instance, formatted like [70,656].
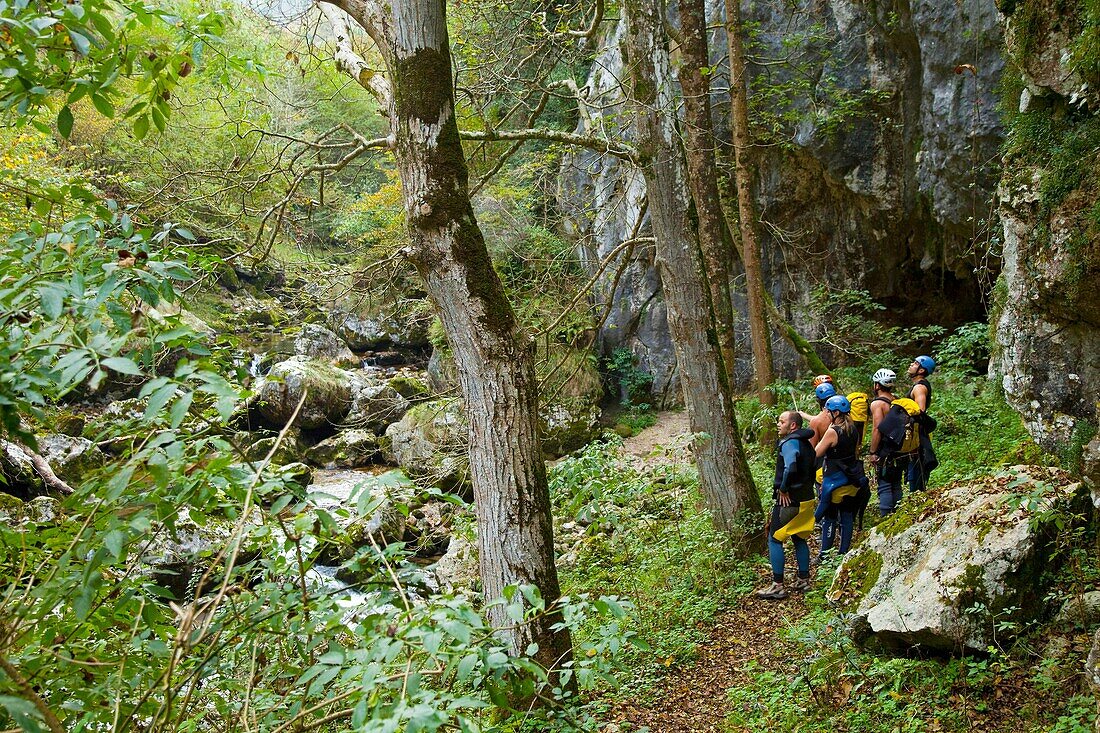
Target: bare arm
[920,396]
[826,442]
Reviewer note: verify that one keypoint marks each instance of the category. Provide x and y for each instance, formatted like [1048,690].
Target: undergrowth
[645,534]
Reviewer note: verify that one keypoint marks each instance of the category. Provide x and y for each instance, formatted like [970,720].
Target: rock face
[1048,314]
[877,189]
[955,562]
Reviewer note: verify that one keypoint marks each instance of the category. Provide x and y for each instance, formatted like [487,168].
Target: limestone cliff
[1048,310]
[877,176]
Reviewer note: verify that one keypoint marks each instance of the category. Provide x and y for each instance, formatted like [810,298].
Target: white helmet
[885,377]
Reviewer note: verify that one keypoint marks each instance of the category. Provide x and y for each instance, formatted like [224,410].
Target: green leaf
[179,409]
[141,127]
[53,301]
[65,122]
[80,42]
[103,105]
[122,365]
[466,666]
[158,399]
[114,541]
[23,713]
[158,118]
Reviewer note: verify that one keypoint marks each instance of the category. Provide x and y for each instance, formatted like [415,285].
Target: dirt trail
[692,698]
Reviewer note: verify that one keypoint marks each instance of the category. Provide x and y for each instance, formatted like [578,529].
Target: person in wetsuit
[793,485]
[843,476]
[921,392]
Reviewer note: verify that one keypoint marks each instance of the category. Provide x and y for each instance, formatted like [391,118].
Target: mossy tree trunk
[493,354]
[724,477]
[702,173]
[763,365]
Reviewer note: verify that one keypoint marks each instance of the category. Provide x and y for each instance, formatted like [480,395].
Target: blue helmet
[927,363]
[824,391]
[838,403]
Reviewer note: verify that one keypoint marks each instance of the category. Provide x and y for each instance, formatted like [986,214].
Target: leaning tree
[493,354]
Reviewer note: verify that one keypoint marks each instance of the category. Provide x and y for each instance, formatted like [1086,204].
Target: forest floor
[693,697]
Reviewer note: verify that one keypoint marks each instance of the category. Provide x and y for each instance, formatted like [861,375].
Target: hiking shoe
[774,592]
[800,584]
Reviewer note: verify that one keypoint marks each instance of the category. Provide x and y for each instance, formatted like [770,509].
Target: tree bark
[724,477]
[702,173]
[494,356]
[763,366]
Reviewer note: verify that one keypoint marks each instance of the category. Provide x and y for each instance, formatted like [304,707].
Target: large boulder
[567,425]
[370,332]
[317,342]
[430,444]
[327,391]
[375,404]
[70,458]
[957,566]
[347,449]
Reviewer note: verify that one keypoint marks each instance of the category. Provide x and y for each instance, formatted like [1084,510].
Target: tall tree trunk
[702,173]
[723,473]
[494,356]
[763,366]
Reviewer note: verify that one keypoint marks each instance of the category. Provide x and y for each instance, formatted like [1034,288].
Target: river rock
[12,509]
[956,562]
[365,508]
[354,448]
[375,405]
[177,557]
[257,449]
[373,332]
[1081,610]
[70,458]
[1092,665]
[428,529]
[457,570]
[317,342]
[18,474]
[429,443]
[327,389]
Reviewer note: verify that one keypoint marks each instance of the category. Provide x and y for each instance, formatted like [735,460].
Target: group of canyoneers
[820,476]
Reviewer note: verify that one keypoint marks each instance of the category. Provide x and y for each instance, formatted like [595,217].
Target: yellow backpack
[911,442]
[858,401]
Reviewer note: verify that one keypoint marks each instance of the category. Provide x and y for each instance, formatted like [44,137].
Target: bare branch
[350,62]
[41,467]
[588,32]
[601,145]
